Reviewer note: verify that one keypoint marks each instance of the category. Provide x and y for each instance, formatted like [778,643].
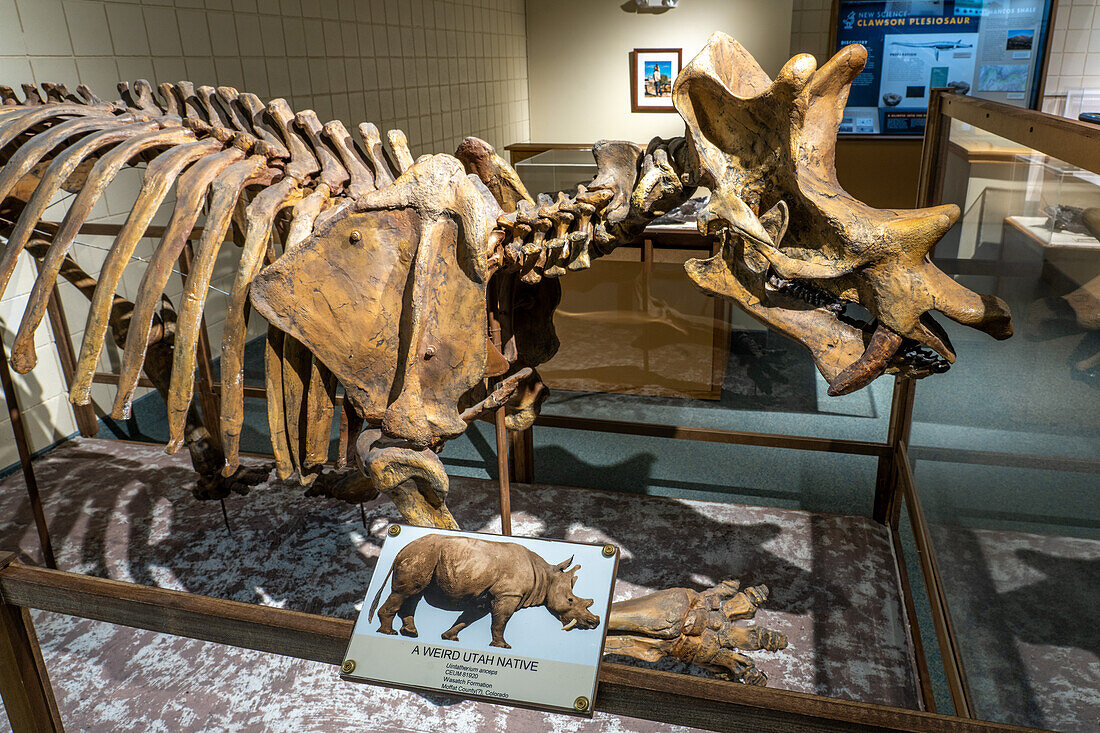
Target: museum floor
[123,511]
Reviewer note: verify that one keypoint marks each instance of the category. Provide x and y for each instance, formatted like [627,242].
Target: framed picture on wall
[652,71]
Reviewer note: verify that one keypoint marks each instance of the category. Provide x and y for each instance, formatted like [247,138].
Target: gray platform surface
[124,511]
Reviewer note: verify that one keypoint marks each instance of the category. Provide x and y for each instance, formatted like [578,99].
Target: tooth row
[549,237]
[806,292]
[920,357]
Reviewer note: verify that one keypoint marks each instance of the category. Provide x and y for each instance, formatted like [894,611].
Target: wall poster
[987,48]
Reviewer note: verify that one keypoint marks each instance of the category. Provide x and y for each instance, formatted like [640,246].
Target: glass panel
[556,170]
[640,342]
[1007,445]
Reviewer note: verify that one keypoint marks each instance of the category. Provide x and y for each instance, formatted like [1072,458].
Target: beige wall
[438,70]
[579,66]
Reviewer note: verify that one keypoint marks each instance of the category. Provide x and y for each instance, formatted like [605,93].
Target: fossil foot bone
[695,628]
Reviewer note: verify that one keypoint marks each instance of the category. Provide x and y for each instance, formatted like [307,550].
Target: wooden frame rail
[717,435]
[623,690]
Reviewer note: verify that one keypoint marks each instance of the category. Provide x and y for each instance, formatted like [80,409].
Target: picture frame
[652,72]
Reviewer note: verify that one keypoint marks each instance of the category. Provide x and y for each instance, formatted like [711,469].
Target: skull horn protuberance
[836,249]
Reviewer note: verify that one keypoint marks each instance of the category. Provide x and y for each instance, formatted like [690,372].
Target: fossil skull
[796,247]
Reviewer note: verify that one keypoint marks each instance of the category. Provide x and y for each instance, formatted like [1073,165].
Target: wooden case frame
[624,690]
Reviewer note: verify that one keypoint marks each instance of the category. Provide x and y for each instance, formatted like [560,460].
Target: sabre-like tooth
[159,177]
[569,625]
[190,195]
[224,192]
[103,172]
[260,217]
[55,176]
[883,345]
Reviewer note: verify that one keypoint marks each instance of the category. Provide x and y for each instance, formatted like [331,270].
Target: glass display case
[1005,453]
[556,170]
[1061,202]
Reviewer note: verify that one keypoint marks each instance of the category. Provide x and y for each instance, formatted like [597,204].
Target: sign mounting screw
[581,704]
[348,666]
[394,530]
[609,550]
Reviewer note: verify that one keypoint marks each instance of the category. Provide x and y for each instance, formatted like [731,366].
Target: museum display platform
[971,511]
[123,510]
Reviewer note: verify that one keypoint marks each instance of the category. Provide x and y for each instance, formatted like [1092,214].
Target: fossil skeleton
[376,271]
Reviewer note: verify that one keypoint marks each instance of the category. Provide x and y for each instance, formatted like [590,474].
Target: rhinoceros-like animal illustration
[478,577]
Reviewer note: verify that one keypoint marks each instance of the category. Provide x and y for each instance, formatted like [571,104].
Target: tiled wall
[1075,47]
[810,28]
[437,70]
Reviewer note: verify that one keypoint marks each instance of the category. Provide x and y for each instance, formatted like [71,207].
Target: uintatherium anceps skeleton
[376,272]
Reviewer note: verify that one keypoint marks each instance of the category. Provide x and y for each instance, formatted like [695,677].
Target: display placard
[512,620]
[988,50]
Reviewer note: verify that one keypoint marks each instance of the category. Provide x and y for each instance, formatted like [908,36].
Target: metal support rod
[900,422]
[86,420]
[501,296]
[502,474]
[15,414]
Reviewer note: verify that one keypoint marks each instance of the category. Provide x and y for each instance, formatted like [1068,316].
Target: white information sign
[508,619]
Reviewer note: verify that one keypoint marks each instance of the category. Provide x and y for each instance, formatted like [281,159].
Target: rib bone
[261,217]
[104,171]
[224,194]
[159,177]
[55,176]
[190,195]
